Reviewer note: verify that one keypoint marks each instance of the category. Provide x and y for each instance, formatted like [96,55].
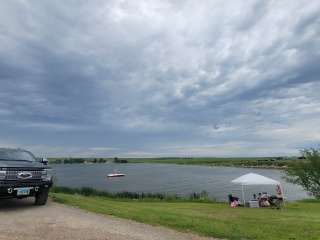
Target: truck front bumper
[9,189]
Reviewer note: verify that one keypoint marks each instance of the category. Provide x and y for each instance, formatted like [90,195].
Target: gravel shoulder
[21,220]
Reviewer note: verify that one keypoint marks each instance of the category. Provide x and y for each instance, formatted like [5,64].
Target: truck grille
[13,174]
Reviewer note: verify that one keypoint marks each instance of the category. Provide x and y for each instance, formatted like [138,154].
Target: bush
[306,172]
[86,191]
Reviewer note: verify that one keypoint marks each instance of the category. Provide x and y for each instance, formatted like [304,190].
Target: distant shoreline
[279,163]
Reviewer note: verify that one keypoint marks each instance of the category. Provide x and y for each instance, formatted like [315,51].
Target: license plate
[23,191]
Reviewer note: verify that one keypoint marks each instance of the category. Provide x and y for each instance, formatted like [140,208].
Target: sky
[160,78]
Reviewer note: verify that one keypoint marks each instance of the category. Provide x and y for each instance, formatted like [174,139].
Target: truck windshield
[16,155]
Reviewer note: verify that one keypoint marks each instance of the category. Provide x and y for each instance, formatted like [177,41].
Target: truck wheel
[41,197]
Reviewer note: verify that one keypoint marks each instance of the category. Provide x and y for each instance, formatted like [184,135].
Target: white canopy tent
[254,179]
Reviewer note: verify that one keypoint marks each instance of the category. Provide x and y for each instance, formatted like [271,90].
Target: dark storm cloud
[159,77]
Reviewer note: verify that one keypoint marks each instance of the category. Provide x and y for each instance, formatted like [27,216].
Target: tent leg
[243,199]
[282,191]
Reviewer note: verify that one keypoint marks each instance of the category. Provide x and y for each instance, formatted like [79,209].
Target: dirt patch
[21,220]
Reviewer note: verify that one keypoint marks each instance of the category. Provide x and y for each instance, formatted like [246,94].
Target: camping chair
[232,198]
[275,201]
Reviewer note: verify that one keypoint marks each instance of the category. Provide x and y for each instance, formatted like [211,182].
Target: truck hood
[21,164]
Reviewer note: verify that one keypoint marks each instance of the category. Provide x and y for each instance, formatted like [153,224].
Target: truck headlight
[3,174]
[46,174]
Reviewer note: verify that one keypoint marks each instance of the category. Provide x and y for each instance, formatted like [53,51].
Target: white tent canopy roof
[254,179]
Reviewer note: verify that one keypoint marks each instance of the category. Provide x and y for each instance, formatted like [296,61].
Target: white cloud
[105,149]
[210,72]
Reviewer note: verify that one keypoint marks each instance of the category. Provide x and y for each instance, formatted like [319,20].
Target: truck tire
[41,197]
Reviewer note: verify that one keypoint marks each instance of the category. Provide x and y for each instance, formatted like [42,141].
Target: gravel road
[19,219]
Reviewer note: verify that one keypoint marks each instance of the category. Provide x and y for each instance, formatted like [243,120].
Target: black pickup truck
[23,175]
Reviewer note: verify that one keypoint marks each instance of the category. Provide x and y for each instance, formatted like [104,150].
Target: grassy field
[261,162]
[298,220]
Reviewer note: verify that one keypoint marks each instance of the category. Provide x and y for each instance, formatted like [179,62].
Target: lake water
[169,178]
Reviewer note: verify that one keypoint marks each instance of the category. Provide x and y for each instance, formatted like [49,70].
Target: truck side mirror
[44,161]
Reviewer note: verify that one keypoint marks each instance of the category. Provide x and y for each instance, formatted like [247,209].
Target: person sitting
[233,201]
[254,197]
[259,196]
[265,195]
[279,194]
[260,199]
[264,203]
[264,200]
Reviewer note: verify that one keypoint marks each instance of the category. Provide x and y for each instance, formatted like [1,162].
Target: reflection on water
[169,178]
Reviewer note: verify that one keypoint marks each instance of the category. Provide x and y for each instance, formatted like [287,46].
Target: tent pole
[282,191]
[244,201]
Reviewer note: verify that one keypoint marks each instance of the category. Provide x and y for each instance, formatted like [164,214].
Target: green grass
[298,220]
